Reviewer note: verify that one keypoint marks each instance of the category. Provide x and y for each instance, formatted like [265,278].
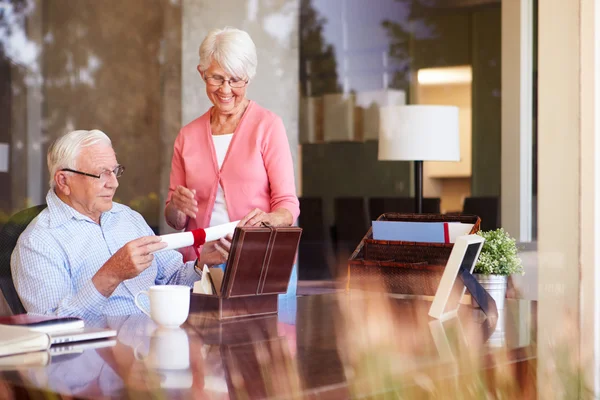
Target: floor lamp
[419,133]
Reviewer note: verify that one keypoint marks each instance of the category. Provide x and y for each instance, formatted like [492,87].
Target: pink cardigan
[257,171]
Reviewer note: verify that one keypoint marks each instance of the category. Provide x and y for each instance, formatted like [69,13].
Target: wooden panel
[281,261]
[244,269]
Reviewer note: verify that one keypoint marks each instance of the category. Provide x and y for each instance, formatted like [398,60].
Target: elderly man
[85,255]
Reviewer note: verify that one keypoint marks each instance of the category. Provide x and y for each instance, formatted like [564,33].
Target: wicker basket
[403,267]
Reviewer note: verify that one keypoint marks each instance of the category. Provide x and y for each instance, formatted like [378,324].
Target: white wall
[568,195]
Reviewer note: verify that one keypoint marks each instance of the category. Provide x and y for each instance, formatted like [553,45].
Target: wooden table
[335,345]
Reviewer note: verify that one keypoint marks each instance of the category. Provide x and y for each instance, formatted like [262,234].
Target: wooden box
[258,270]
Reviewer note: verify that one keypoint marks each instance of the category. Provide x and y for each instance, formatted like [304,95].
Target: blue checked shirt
[61,250]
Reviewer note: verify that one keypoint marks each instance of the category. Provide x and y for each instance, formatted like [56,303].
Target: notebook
[60,329]
[43,323]
[427,232]
[58,353]
[17,340]
[68,351]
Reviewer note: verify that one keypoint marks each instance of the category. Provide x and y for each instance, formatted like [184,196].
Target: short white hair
[232,49]
[64,151]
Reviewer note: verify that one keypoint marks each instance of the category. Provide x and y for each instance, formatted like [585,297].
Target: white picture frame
[451,289]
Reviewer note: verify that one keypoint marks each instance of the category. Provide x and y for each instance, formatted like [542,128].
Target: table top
[335,345]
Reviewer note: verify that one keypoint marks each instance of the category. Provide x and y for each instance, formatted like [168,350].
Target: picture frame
[451,289]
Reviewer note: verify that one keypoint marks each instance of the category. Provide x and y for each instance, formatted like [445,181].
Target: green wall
[487,66]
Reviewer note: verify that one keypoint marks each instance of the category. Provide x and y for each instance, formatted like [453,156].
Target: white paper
[456,229]
[219,231]
[177,240]
[4,157]
[203,286]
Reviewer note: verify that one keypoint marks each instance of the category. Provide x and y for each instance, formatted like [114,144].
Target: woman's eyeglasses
[217,80]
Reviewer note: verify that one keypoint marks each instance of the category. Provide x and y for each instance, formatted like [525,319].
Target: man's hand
[215,252]
[128,262]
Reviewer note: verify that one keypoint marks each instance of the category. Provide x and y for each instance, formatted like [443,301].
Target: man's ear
[200,71]
[61,183]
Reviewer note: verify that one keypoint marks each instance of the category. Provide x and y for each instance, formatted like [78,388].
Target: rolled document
[197,237]
[219,231]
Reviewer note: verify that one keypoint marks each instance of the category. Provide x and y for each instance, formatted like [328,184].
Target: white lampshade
[419,132]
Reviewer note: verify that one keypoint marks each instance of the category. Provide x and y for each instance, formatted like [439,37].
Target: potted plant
[497,261]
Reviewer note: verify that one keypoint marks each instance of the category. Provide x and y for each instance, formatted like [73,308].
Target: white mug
[169,304]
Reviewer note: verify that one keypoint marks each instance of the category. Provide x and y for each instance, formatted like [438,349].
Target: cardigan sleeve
[280,169]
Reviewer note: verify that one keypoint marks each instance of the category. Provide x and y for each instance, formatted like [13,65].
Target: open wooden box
[259,268]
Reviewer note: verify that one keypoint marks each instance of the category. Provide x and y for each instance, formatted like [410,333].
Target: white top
[219,213]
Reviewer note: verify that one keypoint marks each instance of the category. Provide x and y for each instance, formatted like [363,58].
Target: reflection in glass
[62,70]
[169,356]
[356,58]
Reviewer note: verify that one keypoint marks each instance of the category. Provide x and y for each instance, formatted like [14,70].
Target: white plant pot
[495,285]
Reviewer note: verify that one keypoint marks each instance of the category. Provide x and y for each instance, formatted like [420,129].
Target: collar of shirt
[60,212]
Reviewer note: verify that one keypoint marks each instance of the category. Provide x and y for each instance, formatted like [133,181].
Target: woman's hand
[279,217]
[255,218]
[216,252]
[184,200]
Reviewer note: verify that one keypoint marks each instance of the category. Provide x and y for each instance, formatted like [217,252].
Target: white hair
[232,49]
[64,151]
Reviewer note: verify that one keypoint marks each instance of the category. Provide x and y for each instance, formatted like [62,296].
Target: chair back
[402,205]
[8,240]
[487,208]
[351,222]
[315,251]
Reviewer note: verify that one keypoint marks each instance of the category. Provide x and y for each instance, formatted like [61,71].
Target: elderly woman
[233,162]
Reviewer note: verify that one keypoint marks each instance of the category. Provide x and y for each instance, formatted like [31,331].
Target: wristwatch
[197,269]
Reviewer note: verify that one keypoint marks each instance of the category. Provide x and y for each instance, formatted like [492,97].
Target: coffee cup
[169,304]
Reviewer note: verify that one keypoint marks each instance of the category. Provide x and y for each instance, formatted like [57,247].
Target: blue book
[430,232]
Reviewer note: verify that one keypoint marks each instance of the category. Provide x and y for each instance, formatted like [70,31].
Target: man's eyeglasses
[104,175]
[217,80]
